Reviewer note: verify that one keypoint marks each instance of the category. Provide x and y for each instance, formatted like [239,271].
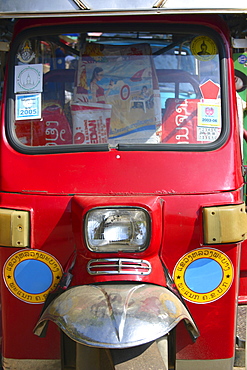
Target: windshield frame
[114,27]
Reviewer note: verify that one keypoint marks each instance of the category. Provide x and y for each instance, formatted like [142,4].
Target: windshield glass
[75,89]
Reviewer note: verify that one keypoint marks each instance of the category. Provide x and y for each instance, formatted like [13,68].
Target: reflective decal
[203,48]
[203,275]
[30,274]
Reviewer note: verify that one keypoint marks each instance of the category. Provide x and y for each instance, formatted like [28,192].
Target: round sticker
[203,48]
[242,59]
[28,78]
[203,275]
[30,274]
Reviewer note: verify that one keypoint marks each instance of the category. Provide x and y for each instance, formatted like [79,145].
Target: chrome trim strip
[102,13]
[119,266]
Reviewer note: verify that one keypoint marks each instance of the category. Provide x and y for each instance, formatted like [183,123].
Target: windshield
[134,88]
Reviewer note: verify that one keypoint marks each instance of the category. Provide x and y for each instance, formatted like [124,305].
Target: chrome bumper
[117,315]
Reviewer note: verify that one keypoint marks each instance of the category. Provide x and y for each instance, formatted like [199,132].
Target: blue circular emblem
[242,59]
[203,275]
[33,276]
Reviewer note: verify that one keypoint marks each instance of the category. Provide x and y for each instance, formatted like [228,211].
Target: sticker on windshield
[209,121]
[208,134]
[26,53]
[209,114]
[28,106]
[203,48]
[29,78]
[203,275]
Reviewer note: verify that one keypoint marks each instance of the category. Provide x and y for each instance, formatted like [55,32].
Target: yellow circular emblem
[203,48]
[203,275]
[30,274]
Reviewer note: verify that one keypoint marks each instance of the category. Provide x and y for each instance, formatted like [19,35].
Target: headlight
[117,229]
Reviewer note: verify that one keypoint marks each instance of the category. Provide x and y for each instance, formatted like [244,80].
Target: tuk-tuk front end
[122,205]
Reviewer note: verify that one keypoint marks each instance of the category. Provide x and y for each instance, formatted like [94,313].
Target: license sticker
[28,106]
[30,274]
[209,114]
[203,48]
[29,78]
[203,275]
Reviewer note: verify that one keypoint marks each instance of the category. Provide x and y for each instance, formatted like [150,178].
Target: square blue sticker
[28,106]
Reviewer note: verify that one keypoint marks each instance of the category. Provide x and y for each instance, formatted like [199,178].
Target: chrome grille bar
[119,266]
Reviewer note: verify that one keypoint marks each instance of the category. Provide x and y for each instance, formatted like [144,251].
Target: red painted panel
[172,186]
[176,229]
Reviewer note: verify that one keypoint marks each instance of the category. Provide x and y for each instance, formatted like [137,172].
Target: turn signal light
[14,228]
[224,224]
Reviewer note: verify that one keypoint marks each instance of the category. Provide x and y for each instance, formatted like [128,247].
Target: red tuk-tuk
[122,200]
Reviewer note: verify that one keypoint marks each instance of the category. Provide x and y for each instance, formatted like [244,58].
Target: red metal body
[173,186]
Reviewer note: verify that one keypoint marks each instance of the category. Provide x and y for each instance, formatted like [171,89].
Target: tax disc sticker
[203,275]
[30,274]
[209,114]
[28,106]
[203,48]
